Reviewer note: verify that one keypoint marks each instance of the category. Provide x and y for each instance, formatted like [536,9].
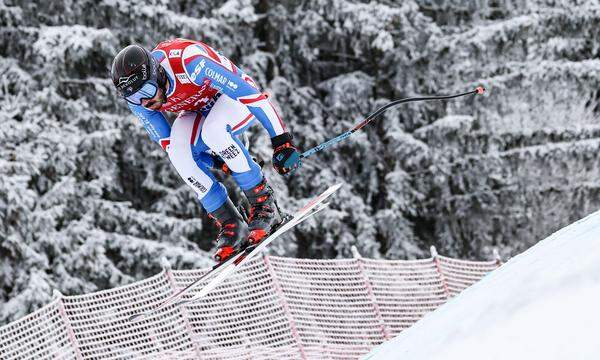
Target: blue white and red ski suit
[216,101]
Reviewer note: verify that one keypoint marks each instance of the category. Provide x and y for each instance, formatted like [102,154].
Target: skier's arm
[262,109]
[239,87]
[232,82]
[154,122]
[286,157]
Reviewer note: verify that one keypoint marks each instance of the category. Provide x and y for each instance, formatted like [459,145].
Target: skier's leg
[184,134]
[219,131]
[185,140]
[225,120]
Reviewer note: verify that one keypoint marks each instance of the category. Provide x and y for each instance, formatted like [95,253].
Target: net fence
[272,308]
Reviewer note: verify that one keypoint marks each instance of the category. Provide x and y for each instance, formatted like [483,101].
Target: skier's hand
[286,158]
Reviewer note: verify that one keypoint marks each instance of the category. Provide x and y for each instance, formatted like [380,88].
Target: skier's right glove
[286,158]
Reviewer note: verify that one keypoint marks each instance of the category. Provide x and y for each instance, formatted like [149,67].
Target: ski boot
[230,225]
[262,217]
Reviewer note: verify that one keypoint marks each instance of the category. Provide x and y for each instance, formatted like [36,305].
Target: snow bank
[542,304]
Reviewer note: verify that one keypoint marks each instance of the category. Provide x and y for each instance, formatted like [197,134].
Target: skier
[215,101]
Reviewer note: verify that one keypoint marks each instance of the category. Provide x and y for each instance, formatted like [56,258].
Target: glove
[286,158]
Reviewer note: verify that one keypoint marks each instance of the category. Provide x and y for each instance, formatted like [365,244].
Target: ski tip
[336,187]
[331,190]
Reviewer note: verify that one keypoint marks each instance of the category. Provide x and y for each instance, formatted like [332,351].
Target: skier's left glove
[286,158]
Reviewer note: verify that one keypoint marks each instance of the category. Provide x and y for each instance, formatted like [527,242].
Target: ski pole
[368,119]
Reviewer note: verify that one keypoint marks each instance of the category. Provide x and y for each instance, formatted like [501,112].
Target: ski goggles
[147,91]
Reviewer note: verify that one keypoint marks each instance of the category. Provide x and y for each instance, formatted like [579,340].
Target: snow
[76,165]
[541,304]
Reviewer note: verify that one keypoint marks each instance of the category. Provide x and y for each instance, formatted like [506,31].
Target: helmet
[133,67]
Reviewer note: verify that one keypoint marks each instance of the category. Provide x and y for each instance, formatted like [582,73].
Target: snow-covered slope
[542,304]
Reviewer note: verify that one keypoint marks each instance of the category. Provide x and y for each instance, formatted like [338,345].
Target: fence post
[359,259]
[284,303]
[497,257]
[436,261]
[70,332]
[184,312]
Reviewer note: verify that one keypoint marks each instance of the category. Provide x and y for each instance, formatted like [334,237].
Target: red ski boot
[230,231]
[262,212]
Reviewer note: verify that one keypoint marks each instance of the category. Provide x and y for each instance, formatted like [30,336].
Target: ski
[313,207]
[306,212]
[171,299]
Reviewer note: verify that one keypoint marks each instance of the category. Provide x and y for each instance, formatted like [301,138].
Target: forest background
[88,202]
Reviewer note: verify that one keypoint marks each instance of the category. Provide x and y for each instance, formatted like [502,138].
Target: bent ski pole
[368,119]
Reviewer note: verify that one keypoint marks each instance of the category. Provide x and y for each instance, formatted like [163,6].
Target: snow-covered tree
[87,201]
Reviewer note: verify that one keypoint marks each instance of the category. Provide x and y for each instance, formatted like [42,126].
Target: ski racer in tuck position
[215,101]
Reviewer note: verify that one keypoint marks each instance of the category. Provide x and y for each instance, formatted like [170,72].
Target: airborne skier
[215,101]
